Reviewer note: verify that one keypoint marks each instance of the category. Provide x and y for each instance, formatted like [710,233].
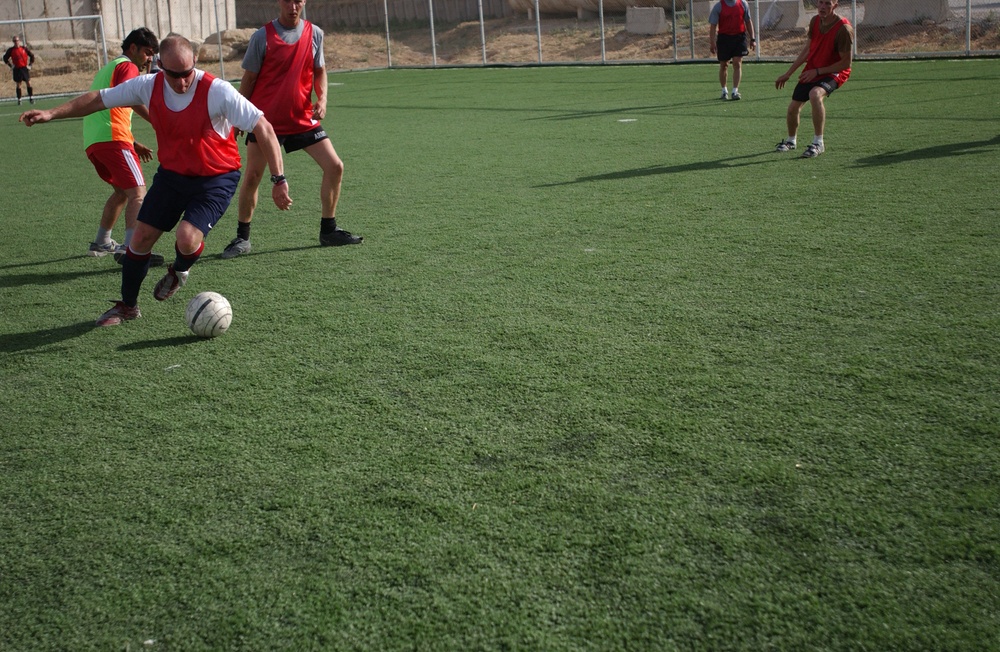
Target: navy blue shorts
[201,200]
[801,92]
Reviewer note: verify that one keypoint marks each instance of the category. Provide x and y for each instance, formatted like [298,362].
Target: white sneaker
[813,150]
[725,95]
[99,250]
[169,284]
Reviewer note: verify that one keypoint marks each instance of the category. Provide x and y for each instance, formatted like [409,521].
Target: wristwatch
[277,178]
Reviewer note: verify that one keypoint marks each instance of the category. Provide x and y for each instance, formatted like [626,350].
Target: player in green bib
[111,147]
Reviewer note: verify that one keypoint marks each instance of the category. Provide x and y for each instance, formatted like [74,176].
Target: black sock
[31,93]
[184,262]
[19,93]
[243,230]
[327,224]
[134,269]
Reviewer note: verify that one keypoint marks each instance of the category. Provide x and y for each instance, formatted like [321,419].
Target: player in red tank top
[280,77]
[827,55]
[735,40]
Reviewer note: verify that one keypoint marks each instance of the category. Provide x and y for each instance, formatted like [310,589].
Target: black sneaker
[155,259]
[237,247]
[338,238]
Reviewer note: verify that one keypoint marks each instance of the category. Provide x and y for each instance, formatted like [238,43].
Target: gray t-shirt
[254,58]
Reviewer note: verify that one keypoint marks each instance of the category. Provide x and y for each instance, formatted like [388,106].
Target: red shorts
[117,163]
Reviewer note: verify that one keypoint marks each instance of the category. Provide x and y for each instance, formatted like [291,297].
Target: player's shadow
[268,252]
[937,151]
[653,170]
[36,263]
[182,340]
[34,339]
[18,280]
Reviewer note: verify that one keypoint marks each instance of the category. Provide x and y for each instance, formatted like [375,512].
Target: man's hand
[809,76]
[279,193]
[34,117]
[780,82]
[319,110]
[145,154]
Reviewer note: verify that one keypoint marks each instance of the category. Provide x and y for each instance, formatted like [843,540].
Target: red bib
[186,141]
[283,90]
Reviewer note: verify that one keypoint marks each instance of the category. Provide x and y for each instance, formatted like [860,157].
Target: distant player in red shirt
[194,115]
[735,40]
[827,55]
[20,59]
[282,68]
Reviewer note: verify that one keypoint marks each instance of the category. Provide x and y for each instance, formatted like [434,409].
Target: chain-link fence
[365,34]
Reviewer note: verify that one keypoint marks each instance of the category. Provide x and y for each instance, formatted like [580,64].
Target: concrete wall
[881,13]
[194,19]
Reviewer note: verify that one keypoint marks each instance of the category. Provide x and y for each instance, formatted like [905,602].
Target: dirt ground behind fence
[69,68]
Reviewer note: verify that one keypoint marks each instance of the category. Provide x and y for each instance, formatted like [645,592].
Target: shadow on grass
[937,151]
[33,340]
[159,344]
[718,164]
[35,263]
[17,280]
[268,252]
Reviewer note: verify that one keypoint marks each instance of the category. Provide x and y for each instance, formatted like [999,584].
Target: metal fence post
[434,53]
[600,10]
[218,29]
[968,27]
[388,45]
[691,26]
[482,30]
[538,31]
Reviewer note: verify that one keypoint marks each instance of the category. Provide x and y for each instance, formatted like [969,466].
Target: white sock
[103,236]
[736,89]
[790,139]
[724,90]
[128,236]
[817,140]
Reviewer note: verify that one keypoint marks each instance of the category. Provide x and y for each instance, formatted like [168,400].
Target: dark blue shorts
[801,92]
[201,200]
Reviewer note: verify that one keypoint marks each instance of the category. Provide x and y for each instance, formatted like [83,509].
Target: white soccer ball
[208,314]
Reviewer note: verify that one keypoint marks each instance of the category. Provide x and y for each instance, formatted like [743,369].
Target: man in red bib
[282,68]
[735,40]
[194,116]
[20,59]
[827,55]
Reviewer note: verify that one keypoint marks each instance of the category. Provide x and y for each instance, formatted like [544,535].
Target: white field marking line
[628,120]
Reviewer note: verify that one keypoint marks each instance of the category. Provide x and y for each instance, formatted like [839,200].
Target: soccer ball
[208,314]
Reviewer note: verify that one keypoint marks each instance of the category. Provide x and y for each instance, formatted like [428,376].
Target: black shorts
[295,142]
[731,45]
[22,75]
[801,92]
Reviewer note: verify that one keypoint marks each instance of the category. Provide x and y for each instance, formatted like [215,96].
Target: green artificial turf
[607,373]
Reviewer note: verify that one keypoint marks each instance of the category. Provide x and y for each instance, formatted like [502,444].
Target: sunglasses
[172,73]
